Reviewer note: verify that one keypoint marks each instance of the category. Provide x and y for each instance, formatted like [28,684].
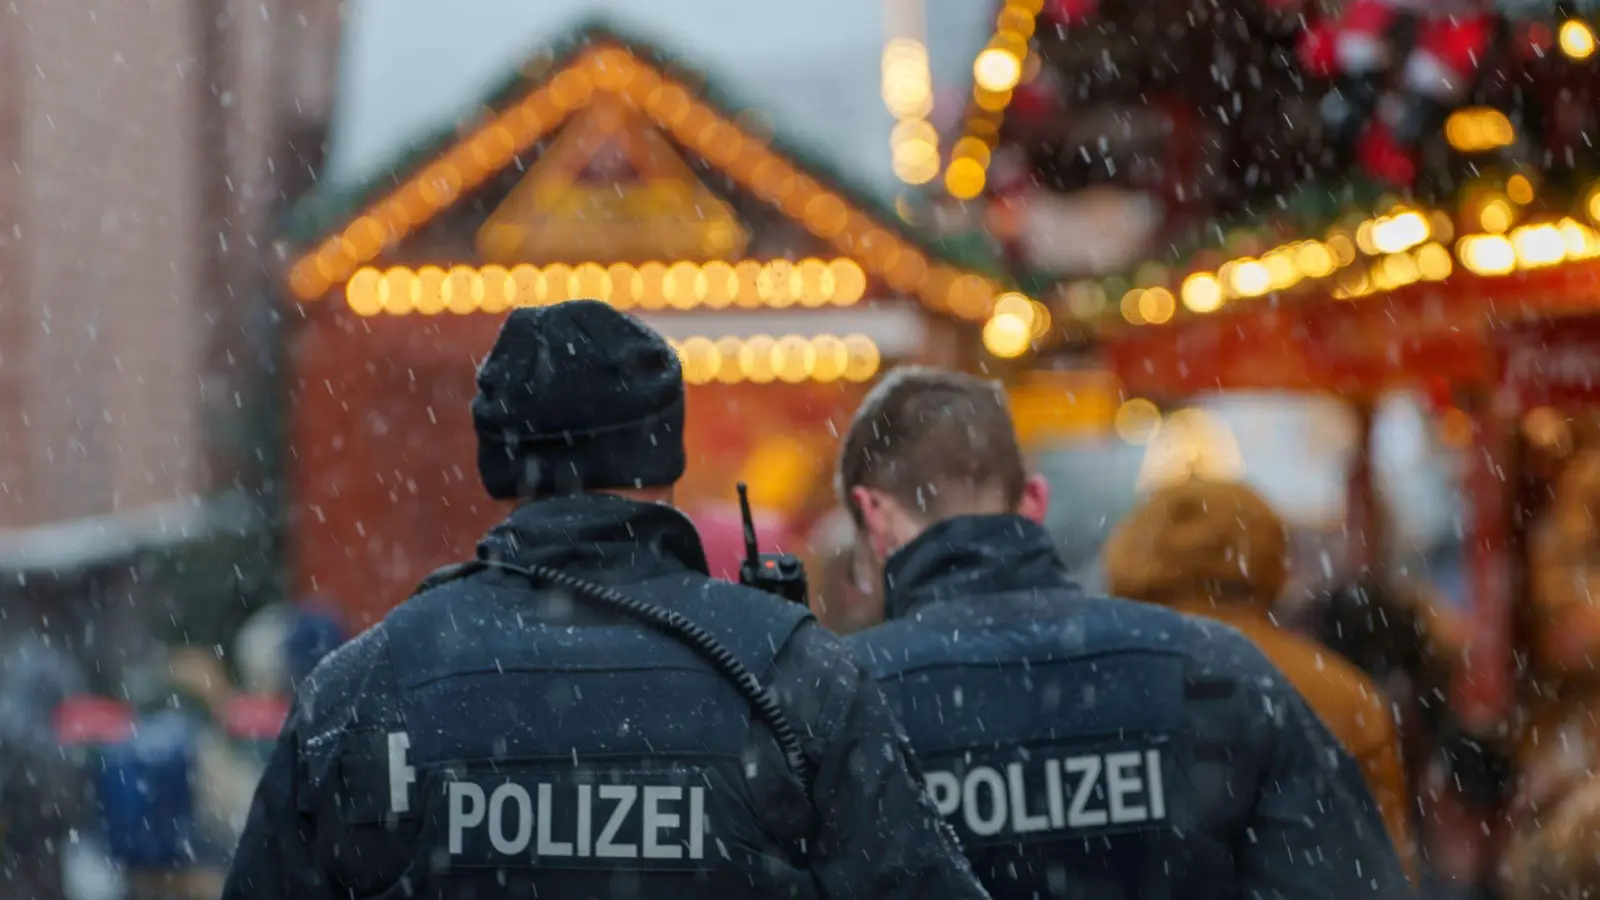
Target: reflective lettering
[584,825]
[510,820]
[1122,780]
[547,847]
[497,819]
[625,795]
[1158,792]
[461,794]
[1021,821]
[655,820]
[945,791]
[697,823]
[1023,800]
[981,777]
[401,774]
[1080,816]
[1052,790]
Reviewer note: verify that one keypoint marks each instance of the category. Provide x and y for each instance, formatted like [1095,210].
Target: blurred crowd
[109,797]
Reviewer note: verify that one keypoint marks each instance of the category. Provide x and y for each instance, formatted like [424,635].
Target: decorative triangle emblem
[611,188]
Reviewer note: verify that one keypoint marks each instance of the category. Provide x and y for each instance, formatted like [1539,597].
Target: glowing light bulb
[1577,39]
[997,69]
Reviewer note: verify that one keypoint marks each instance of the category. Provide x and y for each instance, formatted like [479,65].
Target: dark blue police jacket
[1092,748]
[490,739]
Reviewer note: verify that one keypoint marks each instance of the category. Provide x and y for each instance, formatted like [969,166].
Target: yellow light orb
[997,70]
[1007,336]
[965,179]
[625,285]
[526,282]
[1282,269]
[1538,245]
[1202,292]
[776,284]
[496,289]
[557,284]
[1131,307]
[1315,259]
[730,352]
[1137,421]
[1015,304]
[1399,233]
[1434,262]
[756,358]
[1577,39]
[397,291]
[717,283]
[831,358]
[915,162]
[1580,239]
[461,289]
[678,285]
[1487,254]
[590,281]
[794,359]
[849,282]
[1520,190]
[862,358]
[701,360]
[1250,278]
[1400,269]
[812,282]
[652,277]
[361,292]
[1343,248]
[429,292]
[1157,305]
[1496,216]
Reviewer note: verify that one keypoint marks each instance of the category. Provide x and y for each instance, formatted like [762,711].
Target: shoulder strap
[446,574]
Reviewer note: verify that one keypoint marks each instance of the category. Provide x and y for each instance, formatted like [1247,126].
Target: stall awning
[606,122]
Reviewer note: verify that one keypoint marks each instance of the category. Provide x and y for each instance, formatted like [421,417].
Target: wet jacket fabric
[1352,705]
[1093,748]
[490,739]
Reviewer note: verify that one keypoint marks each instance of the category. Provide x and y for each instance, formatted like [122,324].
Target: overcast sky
[410,67]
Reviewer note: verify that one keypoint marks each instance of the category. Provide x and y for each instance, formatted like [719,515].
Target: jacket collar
[597,532]
[971,555]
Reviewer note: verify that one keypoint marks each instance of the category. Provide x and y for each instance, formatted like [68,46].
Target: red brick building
[144,152]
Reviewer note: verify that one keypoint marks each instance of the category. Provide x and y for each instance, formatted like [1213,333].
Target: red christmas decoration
[1034,100]
[1407,87]
[1068,12]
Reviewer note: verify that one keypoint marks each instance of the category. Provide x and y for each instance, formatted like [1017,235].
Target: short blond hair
[934,440]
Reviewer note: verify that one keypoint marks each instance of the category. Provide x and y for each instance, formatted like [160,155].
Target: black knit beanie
[577,397]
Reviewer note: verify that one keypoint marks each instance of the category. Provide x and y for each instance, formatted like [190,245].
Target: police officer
[1082,747]
[544,722]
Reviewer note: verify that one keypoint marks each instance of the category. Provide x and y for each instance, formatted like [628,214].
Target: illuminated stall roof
[642,107]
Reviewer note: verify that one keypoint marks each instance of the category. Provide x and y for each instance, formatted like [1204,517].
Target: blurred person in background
[1217,550]
[1409,640]
[1081,746]
[42,795]
[1555,852]
[842,596]
[1558,718]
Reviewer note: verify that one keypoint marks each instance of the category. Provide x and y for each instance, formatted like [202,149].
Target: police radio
[782,574]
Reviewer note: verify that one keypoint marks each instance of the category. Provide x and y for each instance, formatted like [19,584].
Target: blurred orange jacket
[1349,703]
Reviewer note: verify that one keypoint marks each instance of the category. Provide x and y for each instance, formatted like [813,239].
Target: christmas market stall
[1354,200]
[600,171]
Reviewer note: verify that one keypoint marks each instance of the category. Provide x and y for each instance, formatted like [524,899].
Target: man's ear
[874,518]
[1035,502]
